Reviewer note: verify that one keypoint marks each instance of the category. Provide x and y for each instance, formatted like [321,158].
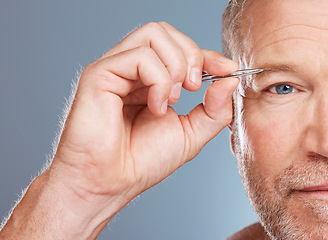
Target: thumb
[208,119]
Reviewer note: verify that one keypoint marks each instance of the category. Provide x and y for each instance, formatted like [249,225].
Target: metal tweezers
[207,77]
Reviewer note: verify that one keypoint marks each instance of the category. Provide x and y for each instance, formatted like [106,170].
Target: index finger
[197,59]
[217,64]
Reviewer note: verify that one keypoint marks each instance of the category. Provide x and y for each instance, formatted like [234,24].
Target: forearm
[49,211]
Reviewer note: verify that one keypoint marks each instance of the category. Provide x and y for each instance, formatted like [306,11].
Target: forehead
[279,27]
[274,14]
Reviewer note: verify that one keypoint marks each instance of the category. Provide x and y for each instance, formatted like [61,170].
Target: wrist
[85,213]
[50,210]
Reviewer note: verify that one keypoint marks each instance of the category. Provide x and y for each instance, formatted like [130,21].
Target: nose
[316,135]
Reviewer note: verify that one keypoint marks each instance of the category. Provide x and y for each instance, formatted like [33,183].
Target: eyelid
[296,88]
[298,81]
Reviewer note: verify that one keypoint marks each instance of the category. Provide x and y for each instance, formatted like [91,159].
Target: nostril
[317,157]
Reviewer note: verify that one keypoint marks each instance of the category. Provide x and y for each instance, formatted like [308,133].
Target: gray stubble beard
[271,204]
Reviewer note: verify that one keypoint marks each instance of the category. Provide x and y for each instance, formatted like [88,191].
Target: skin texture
[252,232]
[281,141]
[120,137]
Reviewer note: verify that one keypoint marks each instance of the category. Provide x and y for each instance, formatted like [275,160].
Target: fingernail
[195,76]
[176,90]
[227,61]
[164,106]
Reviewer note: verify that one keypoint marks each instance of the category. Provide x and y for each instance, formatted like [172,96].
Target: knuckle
[154,26]
[164,23]
[144,50]
[196,54]
[89,69]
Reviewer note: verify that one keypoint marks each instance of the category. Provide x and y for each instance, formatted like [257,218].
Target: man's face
[281,133]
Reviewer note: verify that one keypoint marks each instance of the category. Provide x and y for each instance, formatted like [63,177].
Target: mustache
[303,174]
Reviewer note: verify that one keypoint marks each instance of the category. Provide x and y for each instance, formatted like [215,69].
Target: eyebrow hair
[273,68]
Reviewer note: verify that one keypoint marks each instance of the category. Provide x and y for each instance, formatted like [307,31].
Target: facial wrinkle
[287,39]
[246,58]
[252,82]
[274,12]
[287,27]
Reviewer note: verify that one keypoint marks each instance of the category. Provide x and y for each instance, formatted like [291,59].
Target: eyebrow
[274,68]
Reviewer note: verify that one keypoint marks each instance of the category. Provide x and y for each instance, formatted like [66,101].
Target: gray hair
[237,39]
[236,46]
[232,41]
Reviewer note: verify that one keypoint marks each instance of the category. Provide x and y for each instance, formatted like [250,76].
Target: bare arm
[120,137]
[43,214]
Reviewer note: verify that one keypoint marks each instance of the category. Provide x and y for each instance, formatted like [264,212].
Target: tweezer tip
[259,70]
[252,71]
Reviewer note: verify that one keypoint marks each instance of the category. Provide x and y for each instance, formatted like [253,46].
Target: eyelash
[295,89]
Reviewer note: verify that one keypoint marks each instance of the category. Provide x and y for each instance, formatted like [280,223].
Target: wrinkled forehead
[284,33]
[269,21]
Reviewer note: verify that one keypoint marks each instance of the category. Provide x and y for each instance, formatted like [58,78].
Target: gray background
[43,44]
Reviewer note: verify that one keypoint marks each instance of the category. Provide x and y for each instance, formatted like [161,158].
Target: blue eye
[282,89]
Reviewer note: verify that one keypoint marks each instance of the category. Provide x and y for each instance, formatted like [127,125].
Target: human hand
[120,138]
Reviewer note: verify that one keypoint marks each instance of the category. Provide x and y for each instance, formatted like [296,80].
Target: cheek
[272,140]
